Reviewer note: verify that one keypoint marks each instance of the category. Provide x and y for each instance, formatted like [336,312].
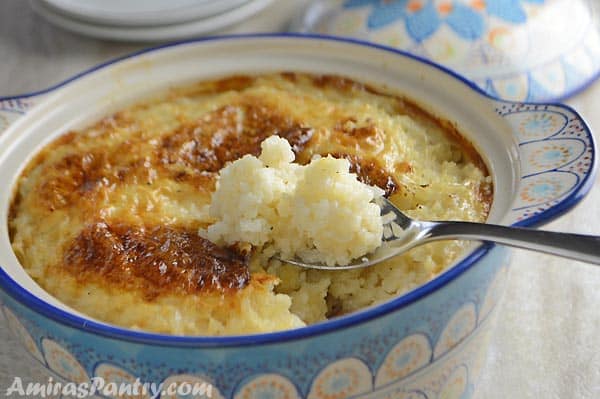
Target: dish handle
[558,159]
[12,108]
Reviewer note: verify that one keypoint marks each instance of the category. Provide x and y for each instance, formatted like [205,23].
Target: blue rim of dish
[352,320]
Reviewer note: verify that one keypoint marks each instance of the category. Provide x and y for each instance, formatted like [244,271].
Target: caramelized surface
[118,205]
[226,134]
[155,260]
[369,172]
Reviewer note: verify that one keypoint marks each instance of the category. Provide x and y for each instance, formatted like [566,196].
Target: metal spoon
[401,233]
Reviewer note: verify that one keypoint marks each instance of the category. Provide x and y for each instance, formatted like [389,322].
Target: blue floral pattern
[424,17]
[519,50]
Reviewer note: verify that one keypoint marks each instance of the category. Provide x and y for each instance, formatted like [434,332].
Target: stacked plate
[146,20]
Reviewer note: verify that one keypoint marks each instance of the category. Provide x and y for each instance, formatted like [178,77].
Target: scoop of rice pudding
[106,218]
[319,212]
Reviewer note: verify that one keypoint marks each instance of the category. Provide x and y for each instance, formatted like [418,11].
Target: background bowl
[522,50]
[427,343]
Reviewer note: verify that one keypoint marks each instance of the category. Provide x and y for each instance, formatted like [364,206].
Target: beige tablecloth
[547,341]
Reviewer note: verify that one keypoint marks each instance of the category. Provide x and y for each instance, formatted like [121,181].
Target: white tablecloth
[547,341]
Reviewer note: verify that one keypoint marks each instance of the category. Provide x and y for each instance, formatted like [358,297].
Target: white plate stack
[147,20]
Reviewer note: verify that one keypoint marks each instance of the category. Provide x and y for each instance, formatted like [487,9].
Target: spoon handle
[584,248]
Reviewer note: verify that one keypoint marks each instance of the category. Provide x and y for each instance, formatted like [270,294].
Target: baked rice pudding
[109,219]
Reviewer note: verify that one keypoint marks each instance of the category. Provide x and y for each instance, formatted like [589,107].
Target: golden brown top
[224,135]
[154,259]
[120,202]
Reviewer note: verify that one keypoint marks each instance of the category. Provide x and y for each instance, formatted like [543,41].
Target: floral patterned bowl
[427,343]
[522,50]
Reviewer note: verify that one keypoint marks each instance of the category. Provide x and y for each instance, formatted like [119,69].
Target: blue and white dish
[428,343]
[521,50]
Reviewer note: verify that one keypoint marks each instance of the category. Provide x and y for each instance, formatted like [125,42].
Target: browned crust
[370,172]
[130,256]
[225,135]
[154,260]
